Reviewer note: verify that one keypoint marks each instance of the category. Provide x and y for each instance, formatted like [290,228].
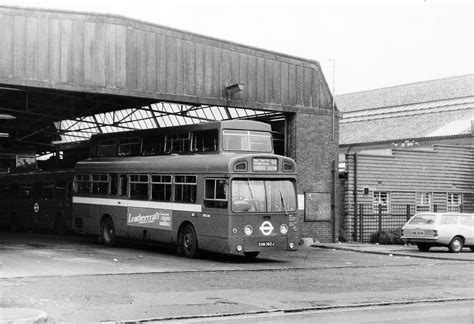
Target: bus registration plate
[266,244]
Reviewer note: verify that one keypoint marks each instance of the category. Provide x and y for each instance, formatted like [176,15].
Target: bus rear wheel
[107,232]
[187,242]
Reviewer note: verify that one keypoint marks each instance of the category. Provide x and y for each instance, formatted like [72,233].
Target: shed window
[454,200]
[381,198]
[423,201]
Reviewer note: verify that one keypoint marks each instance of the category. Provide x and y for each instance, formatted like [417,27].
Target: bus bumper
[258,244]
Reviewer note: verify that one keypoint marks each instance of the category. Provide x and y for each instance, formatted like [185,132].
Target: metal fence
[371,219]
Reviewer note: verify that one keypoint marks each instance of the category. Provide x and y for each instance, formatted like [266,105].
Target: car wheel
[107,232]
[456,244]
[187,242]
[423,247]
[251,255]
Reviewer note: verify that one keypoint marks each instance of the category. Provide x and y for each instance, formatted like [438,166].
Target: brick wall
[311,145]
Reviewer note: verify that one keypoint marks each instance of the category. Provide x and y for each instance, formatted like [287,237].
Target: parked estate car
[453,230]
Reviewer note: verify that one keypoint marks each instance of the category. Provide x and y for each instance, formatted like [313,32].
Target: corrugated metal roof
[443,114]
[432,123]
[408,94]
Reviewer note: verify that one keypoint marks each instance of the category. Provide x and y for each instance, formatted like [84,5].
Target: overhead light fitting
[4,135]
[237,87]
[7,116]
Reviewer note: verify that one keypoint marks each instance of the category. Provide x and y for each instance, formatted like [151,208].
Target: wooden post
[408,212]
[361,224]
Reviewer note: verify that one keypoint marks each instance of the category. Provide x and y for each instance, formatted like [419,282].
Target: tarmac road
[74,280]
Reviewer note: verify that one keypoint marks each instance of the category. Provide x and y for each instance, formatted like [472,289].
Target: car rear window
[423,219]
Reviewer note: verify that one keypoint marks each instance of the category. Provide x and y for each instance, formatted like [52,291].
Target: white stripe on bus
[137,203]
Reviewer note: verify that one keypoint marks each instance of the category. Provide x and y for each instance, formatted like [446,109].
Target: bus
[230,203]
[37,201]
[214,186]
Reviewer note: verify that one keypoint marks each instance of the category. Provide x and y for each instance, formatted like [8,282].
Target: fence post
[380,218]
[435,208]
[356,225]
[361,224]
[408,212]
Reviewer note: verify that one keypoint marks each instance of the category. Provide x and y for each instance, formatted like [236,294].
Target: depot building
[65,76]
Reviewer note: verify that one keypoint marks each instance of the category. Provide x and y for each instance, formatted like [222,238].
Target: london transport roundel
[266,228]
[36,207]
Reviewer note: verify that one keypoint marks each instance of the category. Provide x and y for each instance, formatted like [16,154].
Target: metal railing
[371,219]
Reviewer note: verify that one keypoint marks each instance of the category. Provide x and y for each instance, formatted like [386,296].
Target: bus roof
[196,163]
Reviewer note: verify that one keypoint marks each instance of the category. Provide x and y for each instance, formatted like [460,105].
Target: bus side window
[139,186]
[129,146]
[205,141]
[113,183]
[161,187]
[107,147]
[123,185]
[185,189]
[153,145]
[100,184]
[83,183]
[216,193]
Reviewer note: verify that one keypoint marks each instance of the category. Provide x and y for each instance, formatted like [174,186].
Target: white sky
[374,43]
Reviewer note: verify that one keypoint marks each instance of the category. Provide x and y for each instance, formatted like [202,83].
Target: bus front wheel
[107,232]
[187,242]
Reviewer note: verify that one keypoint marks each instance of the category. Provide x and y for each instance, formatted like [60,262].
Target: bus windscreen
[250,195]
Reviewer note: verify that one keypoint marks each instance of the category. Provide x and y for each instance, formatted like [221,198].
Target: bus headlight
[248,230]
[295,228]
[283,229]
[239,248]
